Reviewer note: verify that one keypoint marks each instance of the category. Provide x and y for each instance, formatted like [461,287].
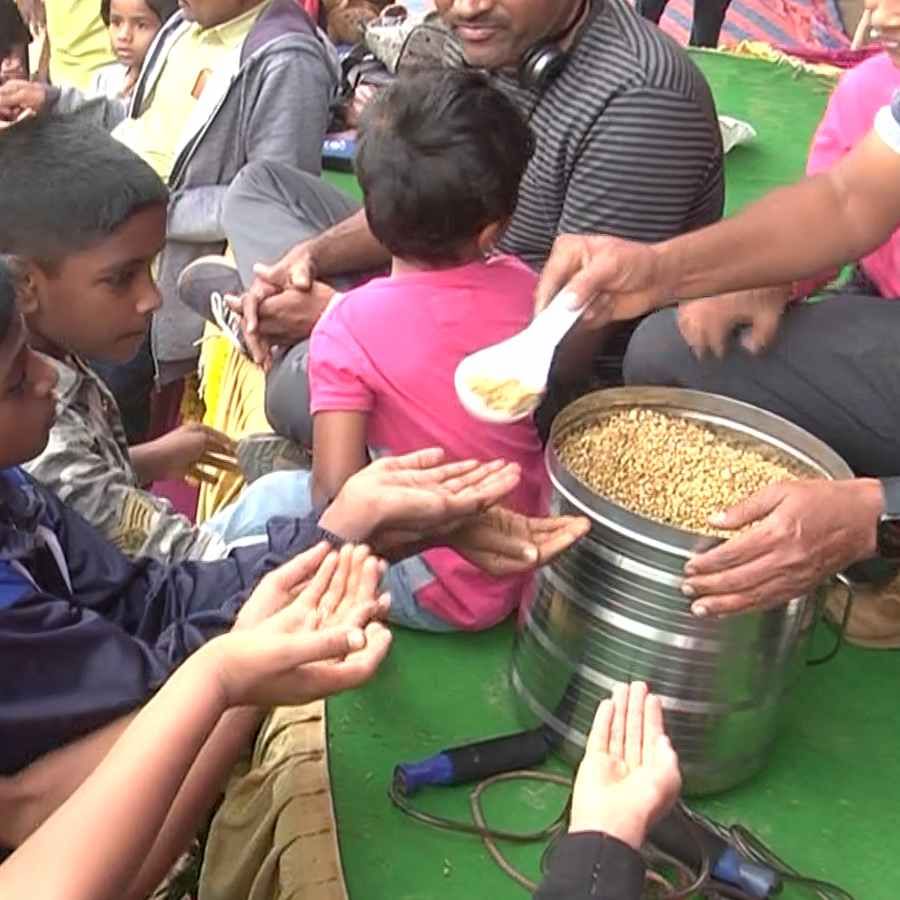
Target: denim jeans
[401,580]
[276,494]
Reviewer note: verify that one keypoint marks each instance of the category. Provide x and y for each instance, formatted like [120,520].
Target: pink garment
[390,348]
[849,118]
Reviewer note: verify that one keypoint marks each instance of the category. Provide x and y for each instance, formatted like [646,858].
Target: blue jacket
[86,634]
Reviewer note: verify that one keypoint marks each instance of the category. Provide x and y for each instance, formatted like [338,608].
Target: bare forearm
[145,462]
[30,797]
[348,246]
[106,828]
[199,791]
[795,232]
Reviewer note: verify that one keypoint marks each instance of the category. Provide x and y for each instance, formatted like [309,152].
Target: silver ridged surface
[611,609]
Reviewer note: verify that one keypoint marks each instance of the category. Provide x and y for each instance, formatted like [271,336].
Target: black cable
[750,846]
[551,833]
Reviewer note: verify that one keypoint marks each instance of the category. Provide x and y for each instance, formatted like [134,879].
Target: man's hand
[803,532]
[629,777]
[708,325]
[279,319]
[19,97]
[614,279]
[298,269]
[415,493]
[502,542]
[178,453]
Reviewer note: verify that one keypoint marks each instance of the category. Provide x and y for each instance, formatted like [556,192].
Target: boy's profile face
[98,302]
[26,398]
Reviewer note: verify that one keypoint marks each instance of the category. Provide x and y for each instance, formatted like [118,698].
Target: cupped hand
[417,493]
[320,588]
[502,542]
[803,532]
[709,325]
[272,667]
[629,776]
[613,278]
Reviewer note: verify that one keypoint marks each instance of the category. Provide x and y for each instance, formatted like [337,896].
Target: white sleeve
[887,124]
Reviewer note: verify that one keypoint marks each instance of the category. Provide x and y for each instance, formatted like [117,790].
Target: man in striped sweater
[627,143]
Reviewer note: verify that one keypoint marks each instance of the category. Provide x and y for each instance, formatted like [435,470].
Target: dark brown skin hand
[803,532]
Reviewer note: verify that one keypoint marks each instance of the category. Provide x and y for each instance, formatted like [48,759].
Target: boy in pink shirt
[851,111]
[440,158]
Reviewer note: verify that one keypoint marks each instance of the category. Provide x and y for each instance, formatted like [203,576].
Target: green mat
[826,802]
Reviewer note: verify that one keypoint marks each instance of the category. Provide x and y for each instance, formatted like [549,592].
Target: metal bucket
[610,609]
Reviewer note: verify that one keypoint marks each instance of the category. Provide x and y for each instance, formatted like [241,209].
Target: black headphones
[543,62]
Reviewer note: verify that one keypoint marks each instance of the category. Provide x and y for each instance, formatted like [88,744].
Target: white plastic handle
[552,324]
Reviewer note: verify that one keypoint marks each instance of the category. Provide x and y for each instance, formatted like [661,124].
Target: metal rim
[723,412]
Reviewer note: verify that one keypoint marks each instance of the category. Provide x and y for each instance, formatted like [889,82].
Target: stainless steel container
[611,609]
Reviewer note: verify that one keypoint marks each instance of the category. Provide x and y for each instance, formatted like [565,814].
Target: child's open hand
[320,588]
[502,542]
[418,495]
[629,777]
[273,666]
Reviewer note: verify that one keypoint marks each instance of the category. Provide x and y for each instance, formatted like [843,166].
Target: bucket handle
[841,629]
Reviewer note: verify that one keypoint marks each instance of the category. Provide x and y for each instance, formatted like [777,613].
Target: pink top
[390,348]
[850,115]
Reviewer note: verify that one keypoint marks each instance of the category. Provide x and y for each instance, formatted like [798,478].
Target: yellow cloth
[274,836]
[194,55]
[233,390]
[79,42]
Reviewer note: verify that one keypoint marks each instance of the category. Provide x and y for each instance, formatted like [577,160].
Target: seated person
[133,26]
[229,82]
[86,289]
[804,361]
[84,283]
[622,118]
[87,636]
[440,158]
[14,40]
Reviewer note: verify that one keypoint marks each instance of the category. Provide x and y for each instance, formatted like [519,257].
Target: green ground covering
[828,800]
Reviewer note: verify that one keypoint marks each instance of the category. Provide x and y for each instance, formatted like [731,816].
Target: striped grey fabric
[628,141]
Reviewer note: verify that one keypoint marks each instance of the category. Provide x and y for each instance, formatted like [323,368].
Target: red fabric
[312,7]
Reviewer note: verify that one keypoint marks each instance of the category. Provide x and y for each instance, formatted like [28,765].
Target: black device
[543,62]
[889,523]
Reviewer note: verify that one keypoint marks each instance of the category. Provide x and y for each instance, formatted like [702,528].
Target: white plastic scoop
[523,361]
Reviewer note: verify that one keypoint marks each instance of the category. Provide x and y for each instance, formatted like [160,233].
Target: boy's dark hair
[13,29]
[440,156]
[162,8]
[7,298]
[65,186]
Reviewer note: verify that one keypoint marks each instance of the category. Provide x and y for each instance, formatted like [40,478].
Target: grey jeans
[269,208]
[833,369]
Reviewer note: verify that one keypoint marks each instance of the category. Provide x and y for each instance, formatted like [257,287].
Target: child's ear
[32,288]
[490,234]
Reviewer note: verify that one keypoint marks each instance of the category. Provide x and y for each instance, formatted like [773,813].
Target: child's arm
[109,496]
[121,827]
[339,451]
